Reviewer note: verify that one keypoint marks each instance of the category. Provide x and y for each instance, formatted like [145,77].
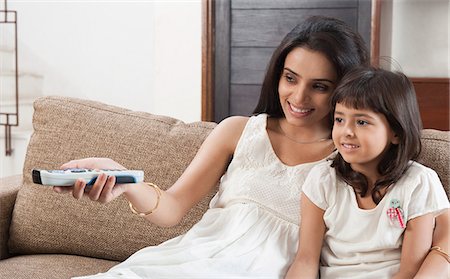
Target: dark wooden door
[247,32]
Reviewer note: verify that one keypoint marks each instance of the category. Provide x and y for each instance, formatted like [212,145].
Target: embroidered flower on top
[395,214]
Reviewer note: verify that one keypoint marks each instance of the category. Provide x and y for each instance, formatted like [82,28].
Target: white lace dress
[250,230]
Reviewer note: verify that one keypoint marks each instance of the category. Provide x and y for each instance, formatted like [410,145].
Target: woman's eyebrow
[316,79]
[289,70]
[324,79]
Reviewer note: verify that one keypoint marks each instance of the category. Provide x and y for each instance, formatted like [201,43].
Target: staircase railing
[9,119]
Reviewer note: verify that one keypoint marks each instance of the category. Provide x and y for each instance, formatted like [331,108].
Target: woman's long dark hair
[343,47]
[391,94]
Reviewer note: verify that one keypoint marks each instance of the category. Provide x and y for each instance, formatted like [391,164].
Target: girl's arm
[196,182]
[312,229]
[416,244]
[435,265]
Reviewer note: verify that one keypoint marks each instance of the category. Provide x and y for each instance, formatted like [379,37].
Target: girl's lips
[349,146]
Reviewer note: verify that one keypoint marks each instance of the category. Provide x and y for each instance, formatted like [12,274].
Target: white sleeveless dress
[249,231]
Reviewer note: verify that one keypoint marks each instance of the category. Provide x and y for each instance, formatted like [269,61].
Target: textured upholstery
[436,154]
[66,129]
[51,266]
[49,235]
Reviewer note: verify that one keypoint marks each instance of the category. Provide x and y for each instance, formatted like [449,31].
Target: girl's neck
[370,172]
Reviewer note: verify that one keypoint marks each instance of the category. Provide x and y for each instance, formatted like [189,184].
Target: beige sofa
[49,235]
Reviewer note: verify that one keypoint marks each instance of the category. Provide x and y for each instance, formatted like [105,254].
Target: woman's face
[307,81]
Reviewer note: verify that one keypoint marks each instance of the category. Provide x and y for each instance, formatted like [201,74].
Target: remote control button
[77,170]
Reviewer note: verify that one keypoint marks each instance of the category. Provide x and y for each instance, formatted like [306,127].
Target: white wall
[143,55]
[415,33]
[140,54]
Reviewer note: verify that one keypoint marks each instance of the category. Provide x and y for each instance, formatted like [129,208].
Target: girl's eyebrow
[355,115]
[318,79]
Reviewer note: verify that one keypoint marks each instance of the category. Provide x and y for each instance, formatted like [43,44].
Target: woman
[251,228]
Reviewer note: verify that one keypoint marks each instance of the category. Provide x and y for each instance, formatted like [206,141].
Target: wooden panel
[433,98]
[364,26]
[244,99]
[207,60]
[268,27]
[246,33]
[248,65]
[288,4]
[222,60]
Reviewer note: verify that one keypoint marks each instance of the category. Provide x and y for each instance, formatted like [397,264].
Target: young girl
[369,213]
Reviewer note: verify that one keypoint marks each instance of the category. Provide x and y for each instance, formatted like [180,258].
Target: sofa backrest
[436,154]
[66,129]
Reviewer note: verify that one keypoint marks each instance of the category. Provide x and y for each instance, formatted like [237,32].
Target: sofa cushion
[52,266]
[67,129]
[436,154]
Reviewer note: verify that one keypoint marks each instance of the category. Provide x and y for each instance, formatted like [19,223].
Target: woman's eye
[338,120]
[320,87]
[289,78]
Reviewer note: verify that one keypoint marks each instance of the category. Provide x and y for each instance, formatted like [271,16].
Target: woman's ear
[395,139]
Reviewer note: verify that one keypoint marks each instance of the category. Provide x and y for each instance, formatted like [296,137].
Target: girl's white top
[250,230]
[362,243]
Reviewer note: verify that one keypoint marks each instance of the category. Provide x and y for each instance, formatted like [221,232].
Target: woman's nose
[300,94]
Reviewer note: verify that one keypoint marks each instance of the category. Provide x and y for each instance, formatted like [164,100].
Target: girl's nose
[348,130]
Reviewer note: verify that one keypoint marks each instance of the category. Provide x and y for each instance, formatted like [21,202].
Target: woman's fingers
[107,194]
[71,165]
[62,189]
[97,188]
[78,188]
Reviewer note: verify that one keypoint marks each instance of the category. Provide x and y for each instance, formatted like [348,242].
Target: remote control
[67,177]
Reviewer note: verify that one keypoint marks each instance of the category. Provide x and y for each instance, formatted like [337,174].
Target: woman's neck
[305,134]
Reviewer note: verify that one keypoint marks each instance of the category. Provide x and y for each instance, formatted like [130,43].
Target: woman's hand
[104,189]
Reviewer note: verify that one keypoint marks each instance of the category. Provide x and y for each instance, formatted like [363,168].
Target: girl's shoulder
[417,173]
[323,168]
[322,174]
[422,190]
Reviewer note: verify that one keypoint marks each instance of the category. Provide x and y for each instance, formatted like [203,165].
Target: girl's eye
[338,120]
[362,122]
[320,87]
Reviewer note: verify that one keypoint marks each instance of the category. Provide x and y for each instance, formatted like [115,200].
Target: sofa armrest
[8,191]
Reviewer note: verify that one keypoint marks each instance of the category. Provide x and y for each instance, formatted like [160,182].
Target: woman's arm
[435,265]
[416,244]
[196,182]
[312,229]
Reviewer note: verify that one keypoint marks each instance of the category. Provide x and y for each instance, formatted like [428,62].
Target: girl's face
[305,86]
[362,137]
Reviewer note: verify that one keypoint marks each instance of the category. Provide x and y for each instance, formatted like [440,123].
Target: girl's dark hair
[343,47]
[391,94]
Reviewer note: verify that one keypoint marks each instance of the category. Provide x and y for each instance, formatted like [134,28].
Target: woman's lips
[300,111]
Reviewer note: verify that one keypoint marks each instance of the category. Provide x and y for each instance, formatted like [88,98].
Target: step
[12,165]
[25,115]
[8,59]
[30,86]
